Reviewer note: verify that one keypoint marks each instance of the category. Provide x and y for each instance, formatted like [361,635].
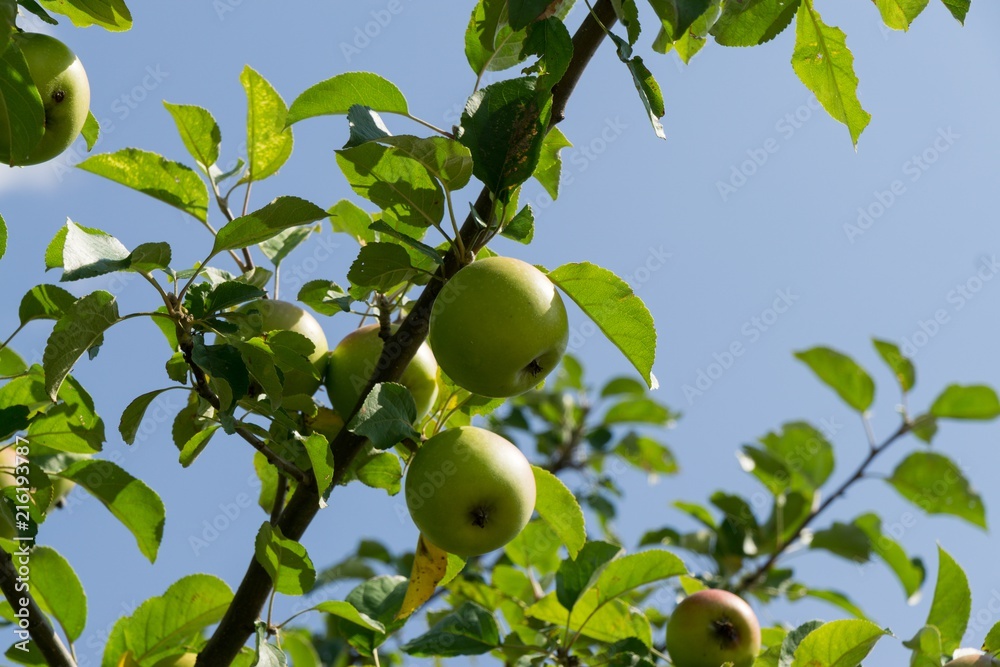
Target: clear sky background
[629,201]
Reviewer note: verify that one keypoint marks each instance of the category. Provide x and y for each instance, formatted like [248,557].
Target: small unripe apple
[8,462]
[973,660]
[712,627]
[62,83]
[270,315]
[498,327]
[469,491]
[353,361]
[327,423]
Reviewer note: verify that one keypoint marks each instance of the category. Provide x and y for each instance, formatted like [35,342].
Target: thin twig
[753,577]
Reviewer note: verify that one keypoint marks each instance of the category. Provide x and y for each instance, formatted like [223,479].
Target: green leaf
[825,65]
[504,126]
[577,575]
[936,485]
[382,471]
[634,570]
[11,363]
[277,248]
[58,590]
[133,414]
[842,374]
[678,15]
[521,227]
[226,365]
[845,642]
[286,561]
[992,642]
[551,42]
[21,103]
[80,328]
[952,602]
[753,22]
[265,223]
[445,159]
[606,623]
[387,416]
[44,302]
[267,654]
[490,43]
[537,547]
[638,411]
[379,598]
[427,251]
[559,508]
[899,14]
[838,600]
[346,611]
[958,8]
[149,173]
[618,312]
[469,630]
[966,402]
[926,646]
[8,15]
[647,454]
[845,540]
[902,367]
[798,457]
[3,234]
[91,131]
[164,623]
[325,297]
[199,132]
[90,252]
[647,87]
[548,172]
[196,444]
[347,217]
[365,125]
[112,15]
[71,426]
[381,266]
[127,498]
[339,94]
[395,182]
[269,139]
[909,571]
[321,459]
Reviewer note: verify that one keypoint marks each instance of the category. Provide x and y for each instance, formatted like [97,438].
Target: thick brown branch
[238,623]
[35,622]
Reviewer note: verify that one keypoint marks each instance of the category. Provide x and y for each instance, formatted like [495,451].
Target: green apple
[498,327]
[65,91]
[469,491]
[353,361]
[327,423]
[270,315]
[713,627]
[974,660]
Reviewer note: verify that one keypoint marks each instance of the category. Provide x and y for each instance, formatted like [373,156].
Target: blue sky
[755,203]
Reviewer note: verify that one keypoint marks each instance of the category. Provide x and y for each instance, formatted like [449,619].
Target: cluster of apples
[497,329]
[65,91]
